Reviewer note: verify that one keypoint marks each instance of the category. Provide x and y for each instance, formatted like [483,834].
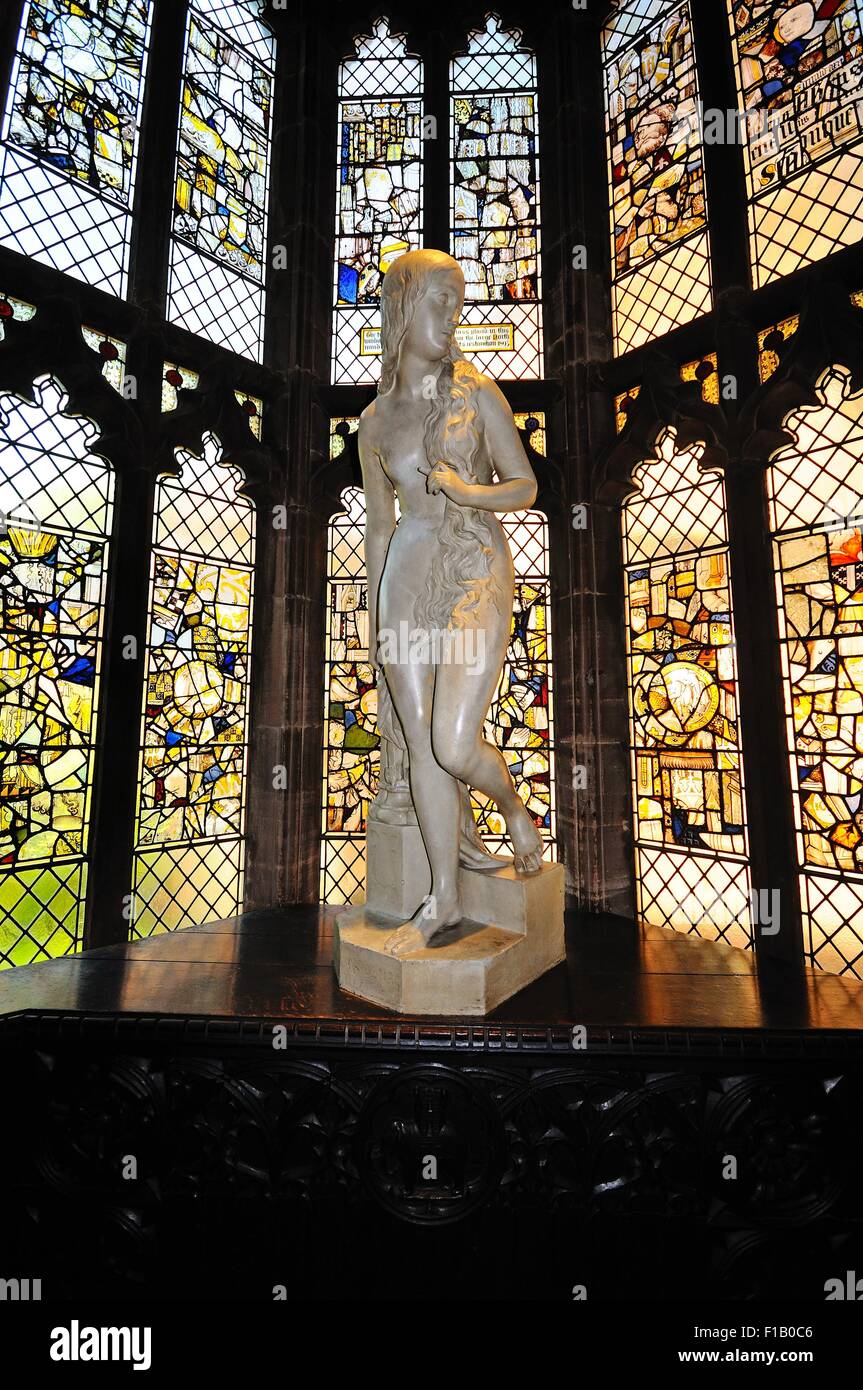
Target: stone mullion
[283,820]
[116,778]
[154,180]
[587,614]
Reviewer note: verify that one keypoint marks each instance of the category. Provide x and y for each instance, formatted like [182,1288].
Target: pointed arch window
[660,250]
[691,850]
[56,500]
[70,136]
[800,82]
[815,496]
[219,242]
[191,799]
[351,743]
[495,201]
[379,194]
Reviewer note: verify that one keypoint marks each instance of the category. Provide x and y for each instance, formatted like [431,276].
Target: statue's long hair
[461,574]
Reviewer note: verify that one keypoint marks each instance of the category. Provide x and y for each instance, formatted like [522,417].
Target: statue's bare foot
[422,927]
[526,841]
[473,856]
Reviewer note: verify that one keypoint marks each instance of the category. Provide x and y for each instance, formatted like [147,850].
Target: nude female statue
[435,437]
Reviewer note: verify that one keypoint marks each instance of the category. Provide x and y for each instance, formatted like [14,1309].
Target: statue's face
[436,315]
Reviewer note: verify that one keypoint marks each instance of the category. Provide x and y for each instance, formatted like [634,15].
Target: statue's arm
[517,487]
[380,522]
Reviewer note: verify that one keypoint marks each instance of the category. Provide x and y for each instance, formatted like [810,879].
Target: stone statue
[440,436]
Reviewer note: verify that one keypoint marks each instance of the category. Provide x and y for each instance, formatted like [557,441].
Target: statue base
[479,964]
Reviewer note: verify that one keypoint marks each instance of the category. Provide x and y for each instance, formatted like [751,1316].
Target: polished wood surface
[278,964]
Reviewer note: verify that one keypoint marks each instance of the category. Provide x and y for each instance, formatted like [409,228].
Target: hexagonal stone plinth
[479,964]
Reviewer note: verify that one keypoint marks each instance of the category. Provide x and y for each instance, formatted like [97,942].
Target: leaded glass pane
[378,192]
[219,246]
[70,136]
[56,499]
[691,849]
[659,241]
[800,83]
[815,495]
[494,201]
[191,801]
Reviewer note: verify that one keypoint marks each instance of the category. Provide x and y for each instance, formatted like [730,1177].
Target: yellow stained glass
[815,496]
[800,84]
[56,500]
[190,823]
[691,847]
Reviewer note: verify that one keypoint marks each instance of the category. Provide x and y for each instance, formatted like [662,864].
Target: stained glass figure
[815,495]
[494,201]
[56,499]
[520,720]
[219,246]
[659,239]
[691,850]
[378,191]
[190,823]
[70,136]
[800,83]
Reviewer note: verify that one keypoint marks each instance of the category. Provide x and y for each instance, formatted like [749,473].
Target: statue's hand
[443,478]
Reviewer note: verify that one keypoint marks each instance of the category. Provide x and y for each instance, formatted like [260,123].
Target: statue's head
[421,303]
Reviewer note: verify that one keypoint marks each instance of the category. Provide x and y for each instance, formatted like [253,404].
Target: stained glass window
[56,498]
[16,309]
[770,342]
[494,201]
[190,823]
[219,245]
[351,755]
[800,81]
[112,354]
[815,493]
[659,240]
[691,851]
[174,379]
[70,136]
[520,720]
[378,191]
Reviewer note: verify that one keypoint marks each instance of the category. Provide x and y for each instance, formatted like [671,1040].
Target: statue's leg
[463,693]
[436,800]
